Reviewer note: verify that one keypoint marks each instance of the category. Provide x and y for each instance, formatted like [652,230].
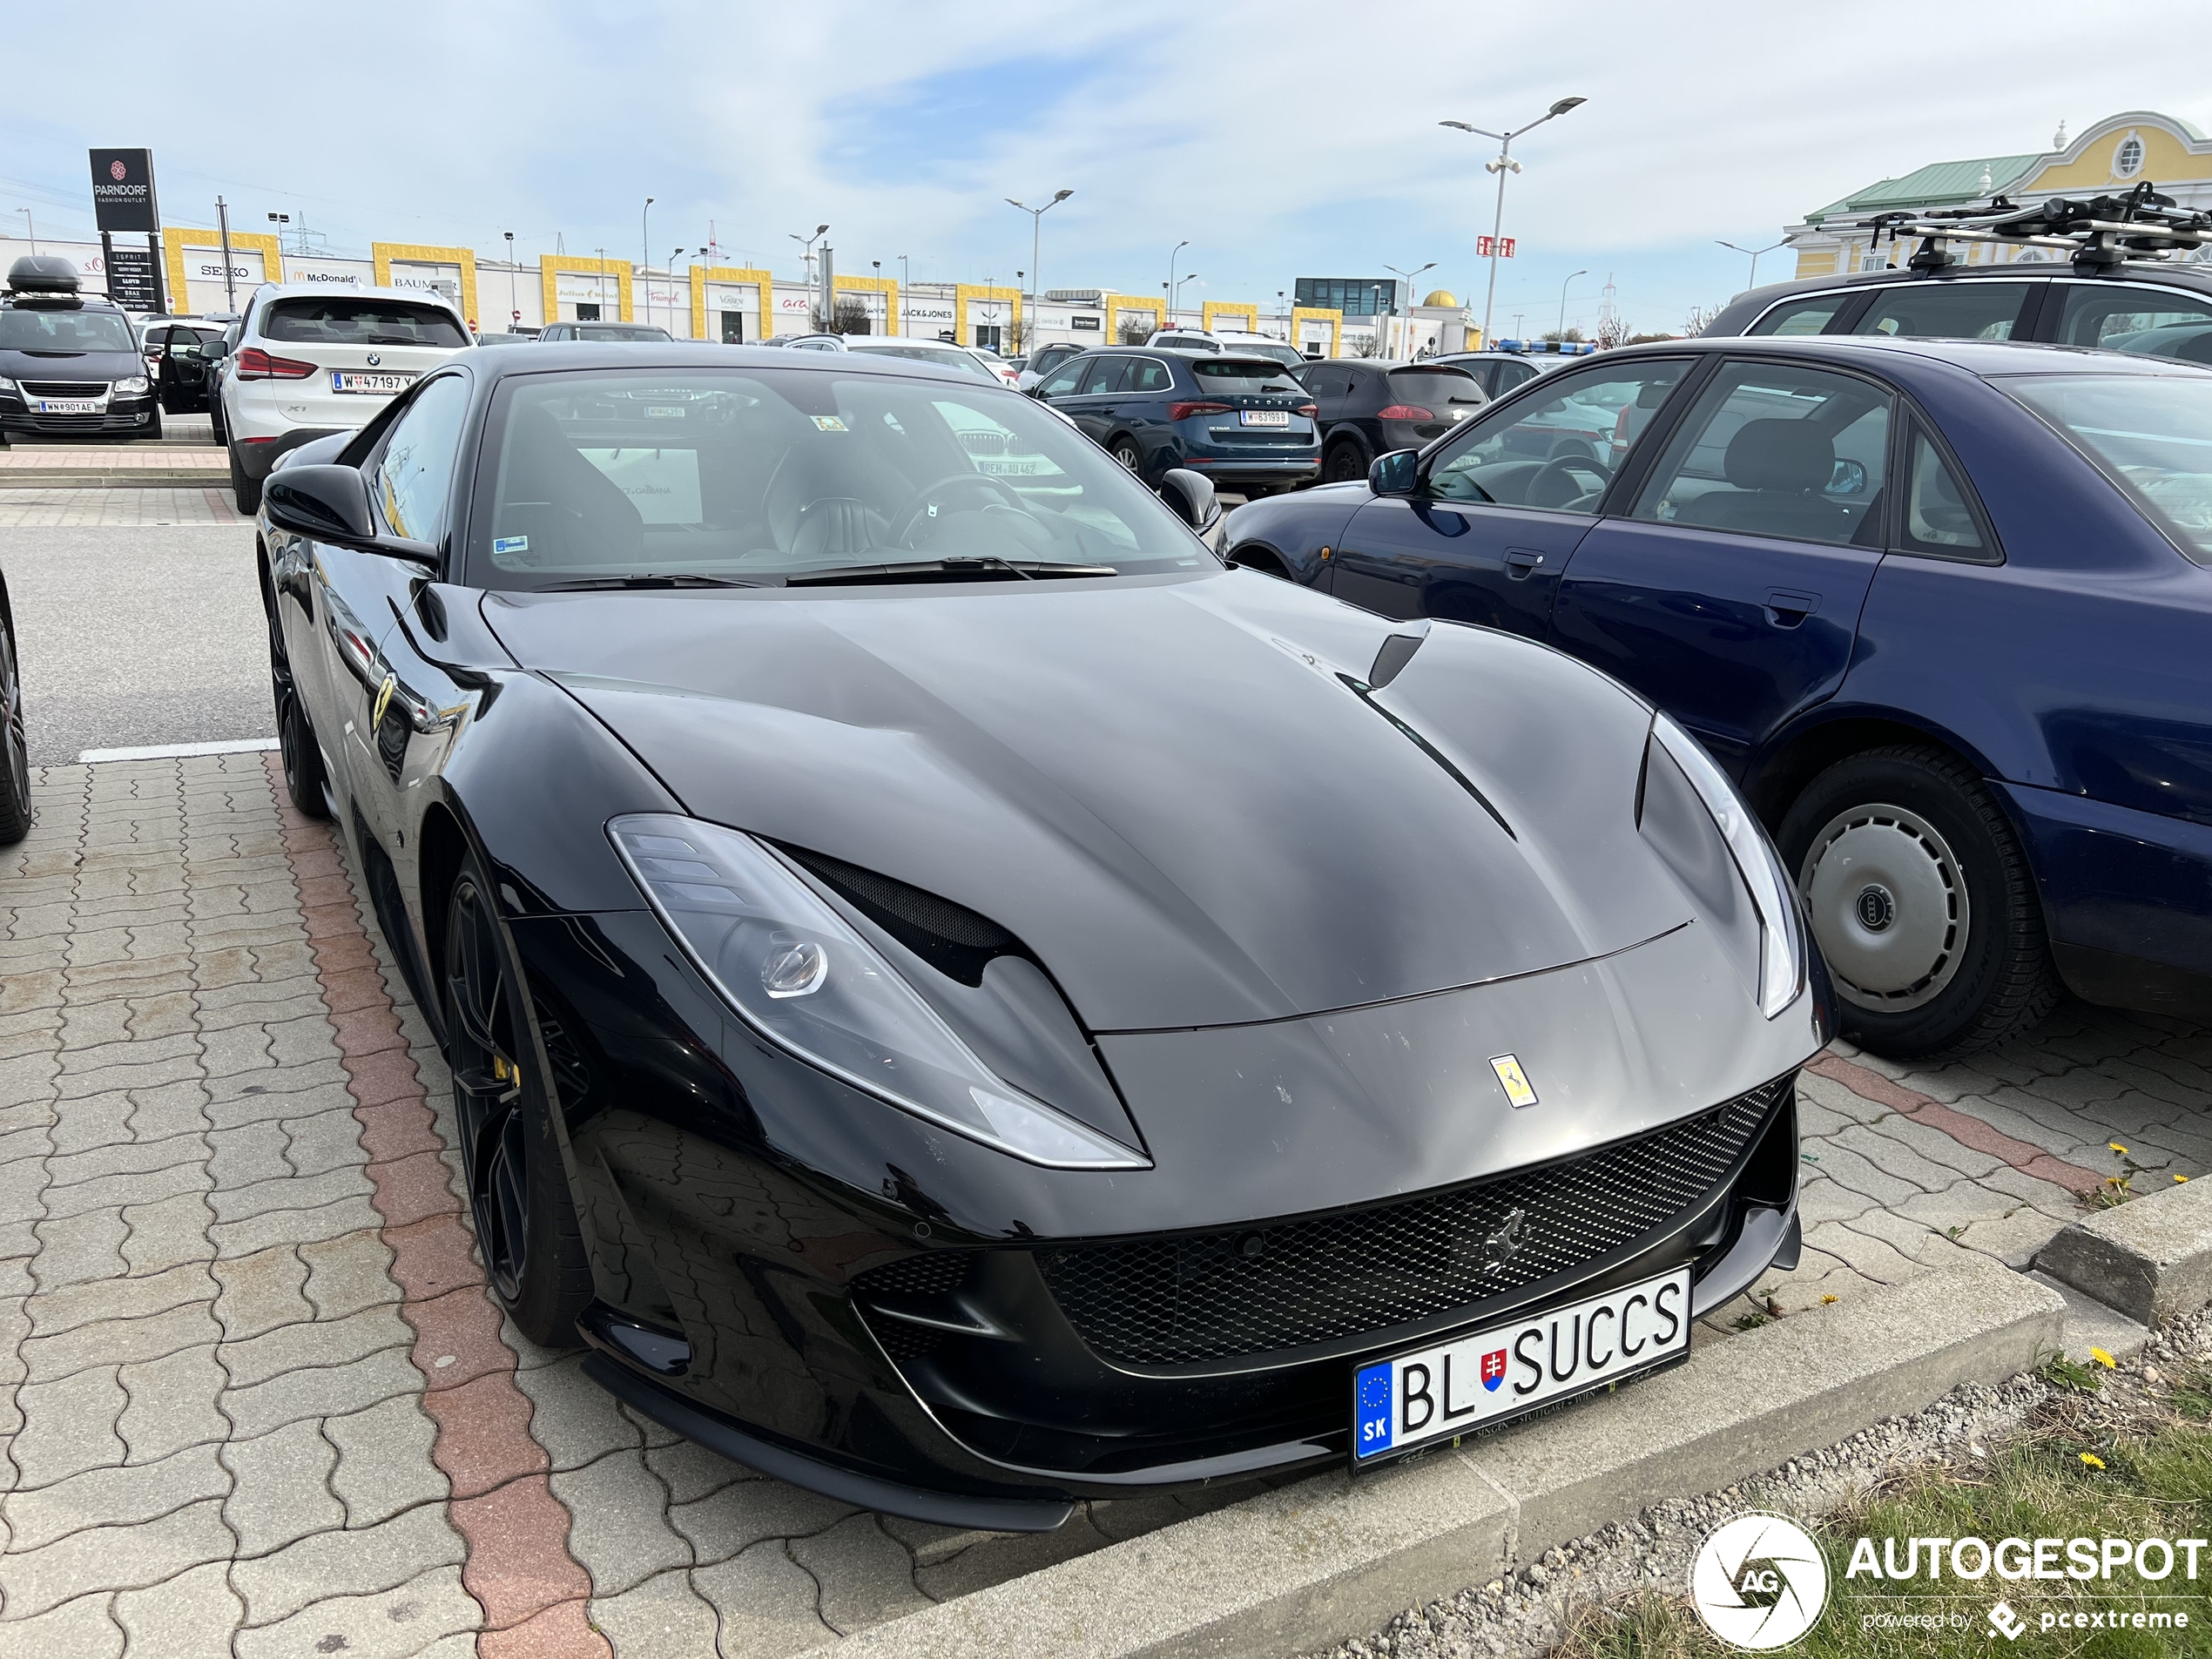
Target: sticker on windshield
[832,423]
[511,545]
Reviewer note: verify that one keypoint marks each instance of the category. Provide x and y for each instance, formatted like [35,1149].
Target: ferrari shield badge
[384,701]
[1514,1080]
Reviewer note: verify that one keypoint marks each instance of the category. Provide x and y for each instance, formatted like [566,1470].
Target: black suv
[1369,406]
[2086,273]
[69,365]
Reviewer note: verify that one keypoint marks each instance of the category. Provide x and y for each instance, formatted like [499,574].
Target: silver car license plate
[1475,1382]
[1266,417]
[346,380]
[69,406]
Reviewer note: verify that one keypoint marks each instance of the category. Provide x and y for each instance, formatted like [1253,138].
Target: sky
[1281,139]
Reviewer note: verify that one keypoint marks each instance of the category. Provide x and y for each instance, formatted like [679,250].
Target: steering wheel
[1555,472]
[905,521]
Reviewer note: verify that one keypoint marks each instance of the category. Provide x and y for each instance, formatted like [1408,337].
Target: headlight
[134,385]
[6,385]
[1782,938]
[789,967]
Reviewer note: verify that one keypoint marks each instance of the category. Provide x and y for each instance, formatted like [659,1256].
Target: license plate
[1475,1382]
[69,406]
[344,380]
[1266,417]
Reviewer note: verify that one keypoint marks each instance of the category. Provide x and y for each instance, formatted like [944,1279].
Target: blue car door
[1730,592]
[1502,505]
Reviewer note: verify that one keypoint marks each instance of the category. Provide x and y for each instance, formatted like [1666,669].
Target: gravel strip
[1526,1615]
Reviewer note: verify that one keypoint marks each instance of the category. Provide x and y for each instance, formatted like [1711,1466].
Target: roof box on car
[43,273]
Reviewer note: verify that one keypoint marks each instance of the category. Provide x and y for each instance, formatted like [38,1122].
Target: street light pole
[1504,164]
[514,295]
[1171,283]
[645,253]
[1755,253]
[1407,278]
[33,224]
[1562,304]
[1036,218]
[223,222]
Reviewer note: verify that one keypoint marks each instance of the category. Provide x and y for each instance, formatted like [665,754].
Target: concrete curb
[119,478]
[2151,1259]
[1332,1557]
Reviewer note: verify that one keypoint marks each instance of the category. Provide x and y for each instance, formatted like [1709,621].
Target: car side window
[1556,452]
[1064,379]
[1512,374]
[1149,375]
[2130,317]
[1105,375]
[1772,449]
[1938,518]
[1810,315]
[414,474]
[1323,379]
[1968,309]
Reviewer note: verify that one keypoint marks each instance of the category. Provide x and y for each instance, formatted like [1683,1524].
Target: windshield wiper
[599,584]
[972,568]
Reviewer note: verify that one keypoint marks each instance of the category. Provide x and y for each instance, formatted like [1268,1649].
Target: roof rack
[2101,233]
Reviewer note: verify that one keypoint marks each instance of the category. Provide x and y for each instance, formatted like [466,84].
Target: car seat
[572,513]
[1778,468]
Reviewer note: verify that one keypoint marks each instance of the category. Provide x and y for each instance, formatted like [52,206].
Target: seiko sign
[122,195]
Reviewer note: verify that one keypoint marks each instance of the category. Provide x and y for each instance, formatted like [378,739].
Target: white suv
[309,362]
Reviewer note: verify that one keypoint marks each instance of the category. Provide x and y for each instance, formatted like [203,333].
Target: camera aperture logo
[1759,1582]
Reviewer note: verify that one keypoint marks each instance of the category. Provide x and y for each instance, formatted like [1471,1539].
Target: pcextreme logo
[1759,1582]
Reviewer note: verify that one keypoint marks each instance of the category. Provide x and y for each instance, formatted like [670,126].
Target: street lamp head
[1461,126]
[1010,202]
[650,201]
[1566,103]
[820,229]
[1061,195]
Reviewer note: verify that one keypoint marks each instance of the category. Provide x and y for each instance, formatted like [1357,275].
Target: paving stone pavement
[253,1401]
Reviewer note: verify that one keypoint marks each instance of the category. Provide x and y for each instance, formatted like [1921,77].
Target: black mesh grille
[1259,1290]
[932,1273]
[66,389]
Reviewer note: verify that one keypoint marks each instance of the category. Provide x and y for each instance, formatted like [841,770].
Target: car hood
[71,366]
[1178,792]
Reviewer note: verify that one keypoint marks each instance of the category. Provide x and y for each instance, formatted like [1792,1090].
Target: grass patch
[2155,1446]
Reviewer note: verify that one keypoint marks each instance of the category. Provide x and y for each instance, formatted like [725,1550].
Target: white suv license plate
[376,385]
[1476,1381]
[69,406]
[1266,417]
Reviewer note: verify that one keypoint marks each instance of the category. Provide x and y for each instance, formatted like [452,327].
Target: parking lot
[244,1328]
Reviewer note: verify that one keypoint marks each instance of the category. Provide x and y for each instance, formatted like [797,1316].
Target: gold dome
[1441,297]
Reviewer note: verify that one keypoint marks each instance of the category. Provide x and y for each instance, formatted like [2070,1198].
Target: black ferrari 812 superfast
[964,1001]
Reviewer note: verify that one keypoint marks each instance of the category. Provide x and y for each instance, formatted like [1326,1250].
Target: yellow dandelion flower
[2116,1147]
[1827,1298]
[2092,1459]
[2181,1178]
[2104,1359]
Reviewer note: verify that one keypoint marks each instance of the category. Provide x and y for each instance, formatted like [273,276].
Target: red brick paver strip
[519,1567]
[1962,1127]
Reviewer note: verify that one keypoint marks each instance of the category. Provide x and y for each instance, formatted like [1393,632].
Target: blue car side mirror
[1395,474]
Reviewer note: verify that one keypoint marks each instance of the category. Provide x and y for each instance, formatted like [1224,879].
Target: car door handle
[1786,608]
[1520,561]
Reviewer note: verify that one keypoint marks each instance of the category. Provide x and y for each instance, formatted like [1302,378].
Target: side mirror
[1395,474]
[1848,479]
[219,348]
[330,504]
[1190,494]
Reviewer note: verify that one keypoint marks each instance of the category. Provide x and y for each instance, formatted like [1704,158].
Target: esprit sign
[122,197]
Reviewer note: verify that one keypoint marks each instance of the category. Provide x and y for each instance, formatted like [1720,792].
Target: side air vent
[951,938]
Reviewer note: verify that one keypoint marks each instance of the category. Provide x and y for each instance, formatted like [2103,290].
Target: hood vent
[951,938]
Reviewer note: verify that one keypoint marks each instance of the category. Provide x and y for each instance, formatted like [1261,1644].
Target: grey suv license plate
[1476,1382]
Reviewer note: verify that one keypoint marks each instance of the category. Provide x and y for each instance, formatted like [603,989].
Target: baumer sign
[123,190]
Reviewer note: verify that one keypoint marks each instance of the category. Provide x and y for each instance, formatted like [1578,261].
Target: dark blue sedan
[1244,422]
[1942,607]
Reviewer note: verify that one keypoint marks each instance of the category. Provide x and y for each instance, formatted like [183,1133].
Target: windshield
[619,331]
[943,356]
[1288,356]
[2150,434]
[1243,375]
[757,477]
[64,331]
[339,322]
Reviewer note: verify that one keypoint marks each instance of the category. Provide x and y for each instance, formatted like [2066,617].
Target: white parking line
[179,750]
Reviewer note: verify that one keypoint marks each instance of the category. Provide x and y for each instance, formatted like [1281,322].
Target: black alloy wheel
[303,779]
[518,1196]
[15,763]
[1346,463]
[1922,902]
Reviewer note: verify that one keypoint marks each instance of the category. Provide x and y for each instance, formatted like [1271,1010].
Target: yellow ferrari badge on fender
[1514,1080]
[384,701]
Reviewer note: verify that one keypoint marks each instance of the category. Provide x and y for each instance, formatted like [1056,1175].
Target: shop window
[988,335]
[586,312]
[732,327]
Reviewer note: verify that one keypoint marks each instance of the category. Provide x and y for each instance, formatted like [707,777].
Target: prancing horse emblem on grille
[1504,1244]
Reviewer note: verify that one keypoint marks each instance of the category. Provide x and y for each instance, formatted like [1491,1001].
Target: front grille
[1263,1289]
[65,388]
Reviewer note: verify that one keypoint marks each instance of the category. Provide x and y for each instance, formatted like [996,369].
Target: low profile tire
[1922,902]
[244,490]
[1129,455]
[518,1194]
[303,779]
[1346,462]
[15,748]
